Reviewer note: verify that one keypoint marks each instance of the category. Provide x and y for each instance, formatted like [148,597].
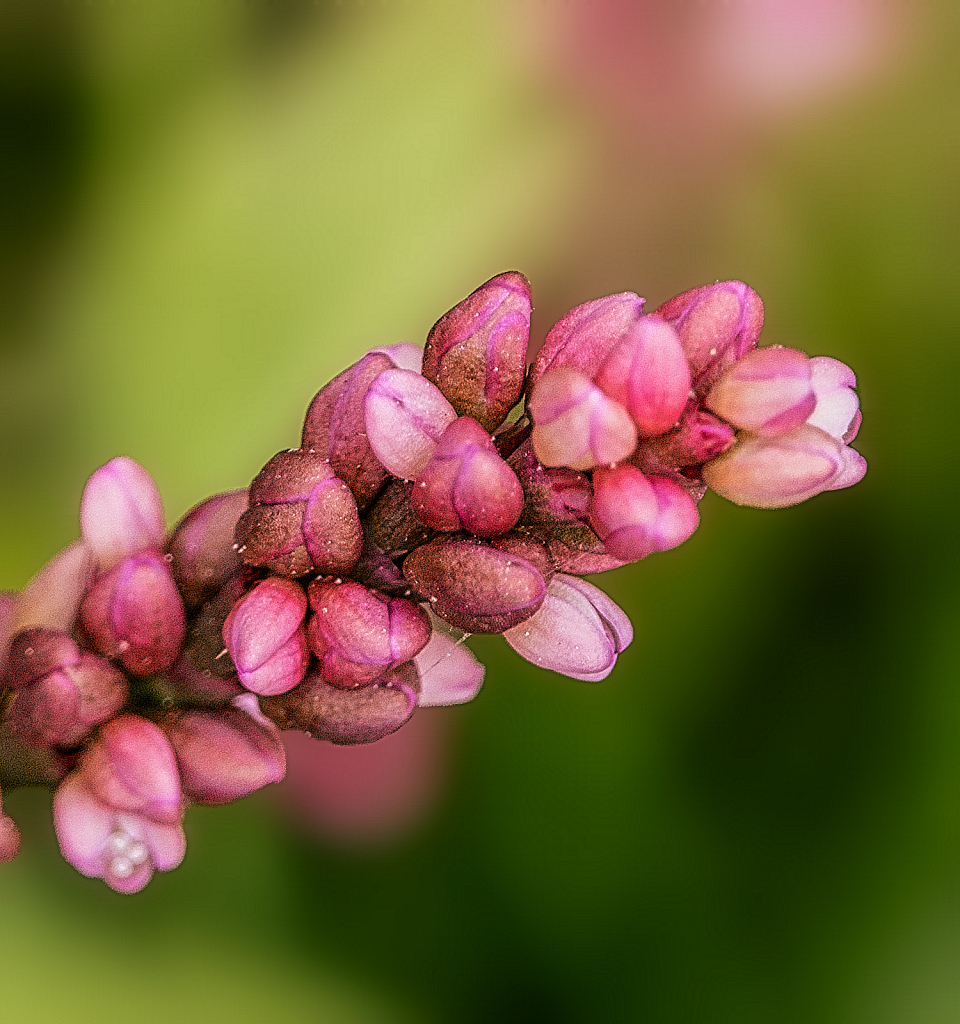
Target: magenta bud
[361,715]
[335,425]
[476,353]
[474,587]
[768,391]
[647,373]
[301,517]
[584,338]
[227,753]
[63,705]
[576,425]
[466,485]
[121,512]
[264,636]
[635,515]
[134,613]
[838,407]
[358,634]
[774,472]
[718,324]
[37,651]
[131,767]
[449,671]
[204,554]
[121,847]
[53,596]
[578,632]
[405,416]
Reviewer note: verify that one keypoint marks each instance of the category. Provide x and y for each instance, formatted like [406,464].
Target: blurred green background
[208,209]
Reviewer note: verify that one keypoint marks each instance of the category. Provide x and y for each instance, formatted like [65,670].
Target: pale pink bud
[202,547]
[474,587]
[405,415]
[264,636]
[131,767]
[357,633]
[578,632]
[647,373]
[134,613]
[774,472]
[121,847]
[53,596]
[121,512]
[335,426]
[768,391]
[576,425]
[838,407]
[404,355]
[476,353]
[636,515]
[361,715]
[227,753]
[584,337]
[718,324]
[449,671]
[466,485]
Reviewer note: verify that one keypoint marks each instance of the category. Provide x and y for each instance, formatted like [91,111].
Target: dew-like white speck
[713,351]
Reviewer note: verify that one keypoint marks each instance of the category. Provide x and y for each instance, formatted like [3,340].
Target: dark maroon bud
[475,587]
[36,651]
[134,613]
[392,523]
[335,427]
[347,717]
[466,485]
[204,554]
[357,634]
[378,571]
[523,546]
[301,517]
[476,353]
[717,323]
[65,704]
[205,667]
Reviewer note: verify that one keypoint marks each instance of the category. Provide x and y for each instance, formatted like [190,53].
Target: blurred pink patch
[369,794]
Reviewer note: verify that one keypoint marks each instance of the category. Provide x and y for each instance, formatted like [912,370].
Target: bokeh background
[208,209]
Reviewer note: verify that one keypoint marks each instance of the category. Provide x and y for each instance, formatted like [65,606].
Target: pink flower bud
[9,837]
[768,391]
[131,767]
[121,847]
[578,632]
[476,353]
[53,596]
[466,485]
[358,634]
[584,338]
[405,415]
[697,438]
[62,692]
[576,425]
[449,671]
[774,472]
[301,517]
[838,407]
[474,587]
[647,373]
[636,515]
[403,355]
[227,753]
[264,636]
[121,512]
[362,715]
[718,324]
[134,613]
[204,554]
[335,426]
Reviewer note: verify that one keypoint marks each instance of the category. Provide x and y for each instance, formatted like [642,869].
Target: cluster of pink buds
[434,494]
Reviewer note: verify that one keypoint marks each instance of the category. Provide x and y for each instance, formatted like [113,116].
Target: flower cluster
[435,493]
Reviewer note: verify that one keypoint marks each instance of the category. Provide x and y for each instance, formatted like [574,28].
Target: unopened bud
[838,407]
[476,353]
[53,596]
[204,554]
[466,485]
[449,671]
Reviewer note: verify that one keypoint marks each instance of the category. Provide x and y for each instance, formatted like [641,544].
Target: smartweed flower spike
[435,493]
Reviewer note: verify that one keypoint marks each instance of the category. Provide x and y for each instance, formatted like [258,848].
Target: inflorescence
[435,493]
